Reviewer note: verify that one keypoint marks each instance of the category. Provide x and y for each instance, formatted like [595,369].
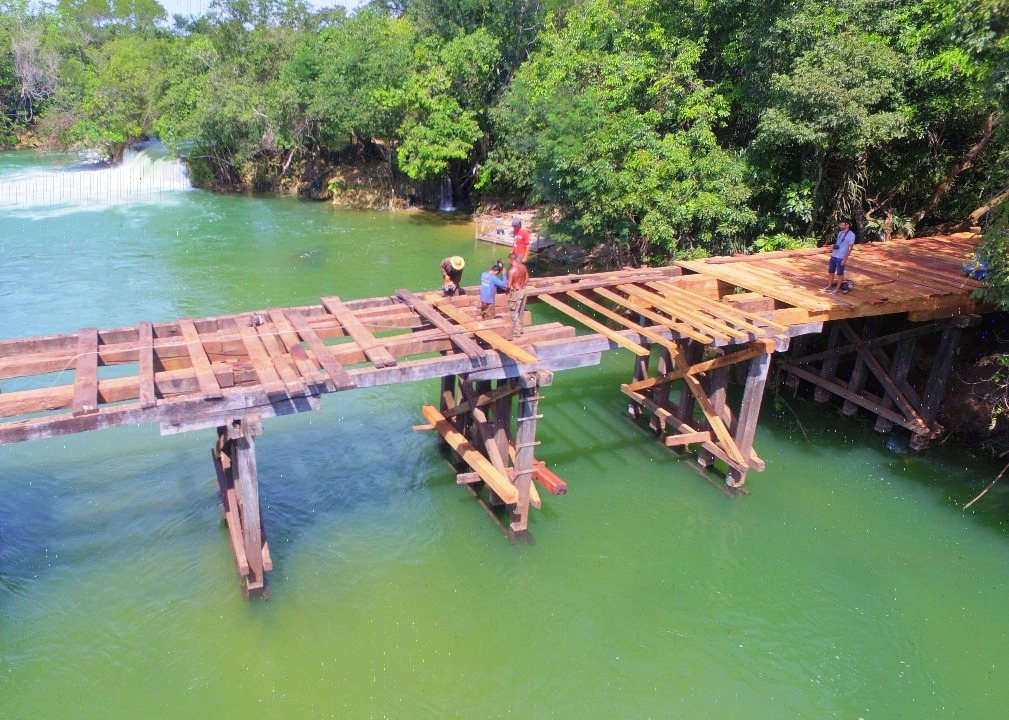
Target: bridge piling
[234,457]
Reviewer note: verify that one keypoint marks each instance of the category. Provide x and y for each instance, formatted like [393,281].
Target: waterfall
[144,176]
[445,203]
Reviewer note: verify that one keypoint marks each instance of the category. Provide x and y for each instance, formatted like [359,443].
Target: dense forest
[663,128]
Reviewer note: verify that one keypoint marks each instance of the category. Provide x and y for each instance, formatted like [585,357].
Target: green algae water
[848,584]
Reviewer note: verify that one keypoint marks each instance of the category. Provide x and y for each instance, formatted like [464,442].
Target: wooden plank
[340,377]
[690,438]
[372,347]
[495,479]
[282,359]
[636,306]
[695,319]
[594,325]
[772,287]
[553,285]
[455,333]
[86,373]
[739,257]
[496,341]
[618,318]
[751,351]
[145,364]
[711,313]
[201,363]
[268,376]
[292,342]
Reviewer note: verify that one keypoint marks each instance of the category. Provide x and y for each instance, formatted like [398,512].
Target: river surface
[848,584]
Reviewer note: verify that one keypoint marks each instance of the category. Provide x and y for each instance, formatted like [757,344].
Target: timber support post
[475,420]
[935,386]
[749,413]
[238,489]
[525,442]
[718,434]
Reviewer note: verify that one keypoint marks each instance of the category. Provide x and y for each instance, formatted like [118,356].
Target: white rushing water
[144,176]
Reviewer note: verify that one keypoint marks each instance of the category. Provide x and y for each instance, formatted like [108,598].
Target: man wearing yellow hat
[451,273]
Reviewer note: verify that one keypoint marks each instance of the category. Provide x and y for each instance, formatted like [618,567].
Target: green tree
[609,126]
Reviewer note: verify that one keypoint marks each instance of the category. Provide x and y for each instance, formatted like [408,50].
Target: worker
[451,275]
[520,239]
[490,282]
[518,276]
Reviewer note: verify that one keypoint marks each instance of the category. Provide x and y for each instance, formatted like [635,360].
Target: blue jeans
[836,266]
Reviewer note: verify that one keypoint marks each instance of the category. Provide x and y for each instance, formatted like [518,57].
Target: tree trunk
[975,217]
[965,164]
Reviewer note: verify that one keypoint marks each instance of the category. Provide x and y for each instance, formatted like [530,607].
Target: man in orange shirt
[521,236]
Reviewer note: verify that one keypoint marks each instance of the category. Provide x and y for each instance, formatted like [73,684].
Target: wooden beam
[728,311]
[495,479]
[751,350]
[674,311]
[689,438]
[617,318]
[86,373]
[496,341]
[637,306]
[201,363]
[714,418]
[340,377]
[372,347]
[595,325]
[455,333]
[843,392]
[261,362]
[145,364]
[886,381]
[721,314]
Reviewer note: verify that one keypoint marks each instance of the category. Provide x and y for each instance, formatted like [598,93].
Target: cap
[516,222]
[457,262]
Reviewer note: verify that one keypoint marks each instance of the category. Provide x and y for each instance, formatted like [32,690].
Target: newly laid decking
[704,318]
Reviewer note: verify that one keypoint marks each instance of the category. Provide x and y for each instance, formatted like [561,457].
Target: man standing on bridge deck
[518,276]
[843,244]
[490,281]
[520,246]
[451,275]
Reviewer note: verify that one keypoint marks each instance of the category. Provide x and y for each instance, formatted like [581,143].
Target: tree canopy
[665,129]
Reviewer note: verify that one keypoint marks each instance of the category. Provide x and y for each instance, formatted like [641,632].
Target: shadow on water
[821,431]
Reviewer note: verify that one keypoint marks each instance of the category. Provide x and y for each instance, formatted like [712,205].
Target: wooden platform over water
[694,321]
[193,373]
[922,277]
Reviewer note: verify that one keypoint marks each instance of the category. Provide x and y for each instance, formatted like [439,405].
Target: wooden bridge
[687,327]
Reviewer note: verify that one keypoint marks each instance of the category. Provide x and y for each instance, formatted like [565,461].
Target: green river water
[848,584]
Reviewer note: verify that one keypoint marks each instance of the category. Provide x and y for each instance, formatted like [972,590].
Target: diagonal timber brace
[717,433]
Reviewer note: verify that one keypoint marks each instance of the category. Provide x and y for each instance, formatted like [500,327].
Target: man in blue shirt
[490,281]
[843,244]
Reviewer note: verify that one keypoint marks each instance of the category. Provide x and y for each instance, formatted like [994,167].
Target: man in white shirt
[843,244]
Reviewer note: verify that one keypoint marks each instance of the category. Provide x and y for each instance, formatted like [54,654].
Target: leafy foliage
[661,127]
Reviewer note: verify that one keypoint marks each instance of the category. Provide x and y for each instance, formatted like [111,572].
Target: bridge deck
[922,277]
[194,373]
